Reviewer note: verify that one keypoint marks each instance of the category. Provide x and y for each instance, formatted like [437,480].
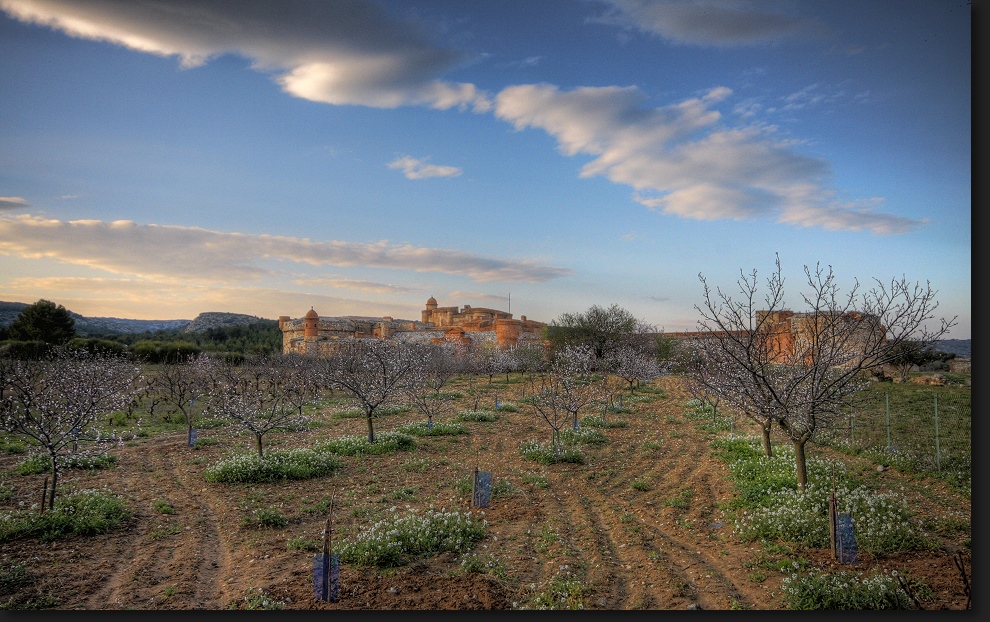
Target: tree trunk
[371,428]
[767,447]
[261,453]
[800,463]
[51,493]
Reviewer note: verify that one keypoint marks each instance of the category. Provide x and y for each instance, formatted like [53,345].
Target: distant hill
[959,347]
[92,326]
[217,319]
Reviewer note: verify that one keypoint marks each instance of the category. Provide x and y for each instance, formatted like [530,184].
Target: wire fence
[926,430]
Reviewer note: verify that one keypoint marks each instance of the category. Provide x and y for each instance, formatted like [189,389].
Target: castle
[313,334]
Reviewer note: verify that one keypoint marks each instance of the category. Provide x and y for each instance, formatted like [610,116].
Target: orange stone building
[787,328]
[313,334]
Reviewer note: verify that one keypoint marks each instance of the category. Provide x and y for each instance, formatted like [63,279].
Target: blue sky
[165,158]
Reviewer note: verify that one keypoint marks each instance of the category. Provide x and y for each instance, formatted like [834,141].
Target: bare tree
[550,402]
[179,382]
[440,363]
[802,369]
[374,372]
[571,374]
[55,402]
[261,395]
[634,364]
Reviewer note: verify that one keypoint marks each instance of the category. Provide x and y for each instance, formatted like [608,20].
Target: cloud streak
[191,253]
[13,203]
[413,168]
[357,284]
[681,161]
[340,52]
[709,23]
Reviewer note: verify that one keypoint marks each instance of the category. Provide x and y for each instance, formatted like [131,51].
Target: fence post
[887,410]
[938,456]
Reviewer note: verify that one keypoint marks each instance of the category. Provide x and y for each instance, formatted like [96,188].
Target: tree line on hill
[44,325]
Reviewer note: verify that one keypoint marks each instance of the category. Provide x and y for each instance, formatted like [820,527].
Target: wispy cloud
[357,285]
[180,253]
[13,203]
[459,297]
[128,297]
[413,168]
[716,23]
[681,160]
[341,52]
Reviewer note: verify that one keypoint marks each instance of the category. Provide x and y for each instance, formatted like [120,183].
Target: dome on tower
[312,313]
[432,302]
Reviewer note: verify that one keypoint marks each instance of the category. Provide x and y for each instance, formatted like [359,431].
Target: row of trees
[57,401]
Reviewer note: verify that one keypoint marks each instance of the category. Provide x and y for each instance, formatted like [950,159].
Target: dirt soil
[630,548]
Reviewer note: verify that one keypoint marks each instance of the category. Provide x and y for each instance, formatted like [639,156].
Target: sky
[163,158]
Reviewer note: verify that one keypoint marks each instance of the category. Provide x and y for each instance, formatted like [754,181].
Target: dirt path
[173,560]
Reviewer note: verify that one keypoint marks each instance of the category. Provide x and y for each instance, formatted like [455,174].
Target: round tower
[431,304]
[311,324]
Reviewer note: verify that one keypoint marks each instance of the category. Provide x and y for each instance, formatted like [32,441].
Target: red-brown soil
[628,547]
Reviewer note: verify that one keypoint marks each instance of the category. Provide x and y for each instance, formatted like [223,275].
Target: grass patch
[846,591]
[395,540]
[81,513]
[265,518]
[439,428]
[41,463]
[302,544]
[597,421]
[385,443]
[545,454]
[774,509]
[162,506]
[477,415]
[275,466]
[583,436]
[640,485]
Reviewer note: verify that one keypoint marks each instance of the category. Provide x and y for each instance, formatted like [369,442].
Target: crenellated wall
[467,325]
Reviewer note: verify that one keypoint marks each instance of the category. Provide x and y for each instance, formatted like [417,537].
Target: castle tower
[311,324]
[431,306]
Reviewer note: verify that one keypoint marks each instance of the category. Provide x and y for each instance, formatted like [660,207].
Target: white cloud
[13,203]
[718,23]
[413,168]
[191,253]
[679,159]
[340,52]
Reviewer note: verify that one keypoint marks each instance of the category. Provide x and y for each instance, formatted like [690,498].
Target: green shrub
[844,591]
[82,513]
[276,465]
[508,407]
[395,540]
[641,485]
[489,564]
